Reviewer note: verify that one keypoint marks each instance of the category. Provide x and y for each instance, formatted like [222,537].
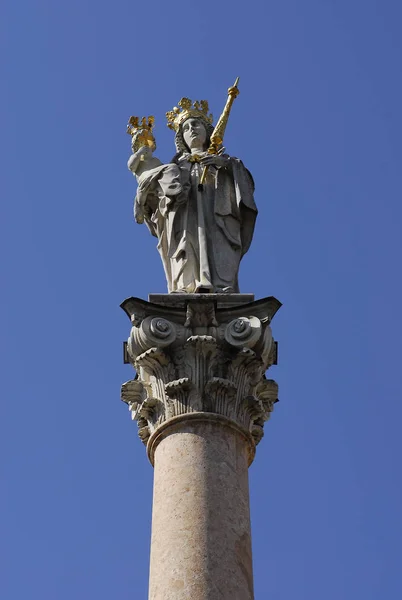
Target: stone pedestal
[201,399]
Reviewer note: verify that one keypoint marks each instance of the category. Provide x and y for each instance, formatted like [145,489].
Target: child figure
[159,186]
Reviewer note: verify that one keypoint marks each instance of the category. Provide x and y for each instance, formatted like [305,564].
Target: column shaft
[201,542]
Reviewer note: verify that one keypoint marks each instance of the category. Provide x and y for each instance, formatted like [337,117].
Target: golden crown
[198,110]
[144,128]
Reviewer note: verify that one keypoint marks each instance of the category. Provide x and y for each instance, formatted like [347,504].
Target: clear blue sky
[318,123]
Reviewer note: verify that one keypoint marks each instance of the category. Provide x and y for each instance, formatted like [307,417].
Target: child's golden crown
[143,127]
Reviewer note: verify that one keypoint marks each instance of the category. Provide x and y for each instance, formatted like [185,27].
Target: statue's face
[194,134]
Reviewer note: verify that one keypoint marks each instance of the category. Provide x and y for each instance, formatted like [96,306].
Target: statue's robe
[202,234]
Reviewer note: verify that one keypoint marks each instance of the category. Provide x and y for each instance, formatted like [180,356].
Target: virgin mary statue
[204,230]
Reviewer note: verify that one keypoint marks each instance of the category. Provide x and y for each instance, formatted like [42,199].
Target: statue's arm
[132,163]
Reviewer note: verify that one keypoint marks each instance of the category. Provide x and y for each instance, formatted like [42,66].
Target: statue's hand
[144,151]
[215,160]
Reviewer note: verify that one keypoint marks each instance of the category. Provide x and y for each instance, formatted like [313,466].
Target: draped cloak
[202,235]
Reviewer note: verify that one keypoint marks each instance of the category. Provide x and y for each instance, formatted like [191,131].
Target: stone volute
[201,398]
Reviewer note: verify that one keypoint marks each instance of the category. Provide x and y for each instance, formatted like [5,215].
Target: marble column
[201,399]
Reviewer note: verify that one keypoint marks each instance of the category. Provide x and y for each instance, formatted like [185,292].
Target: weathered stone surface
[201,546]
[199,357]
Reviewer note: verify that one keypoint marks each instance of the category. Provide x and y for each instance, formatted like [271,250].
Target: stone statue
[200,206]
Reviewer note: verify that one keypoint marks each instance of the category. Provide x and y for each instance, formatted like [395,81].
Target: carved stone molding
[201,354]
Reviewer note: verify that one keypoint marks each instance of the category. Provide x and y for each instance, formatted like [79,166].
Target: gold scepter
[219,130]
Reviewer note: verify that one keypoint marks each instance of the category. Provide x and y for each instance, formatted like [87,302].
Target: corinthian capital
[203,354]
